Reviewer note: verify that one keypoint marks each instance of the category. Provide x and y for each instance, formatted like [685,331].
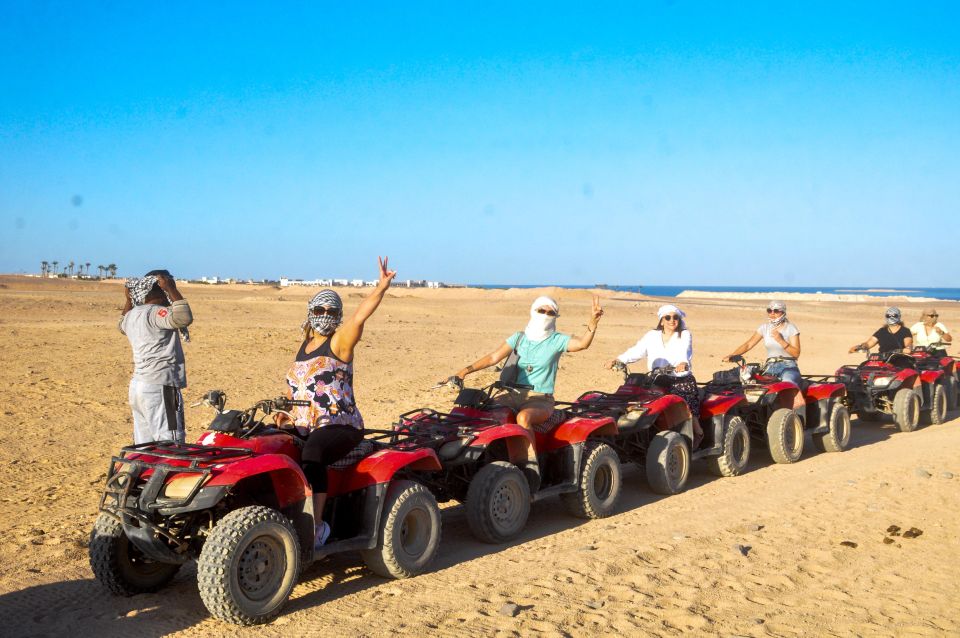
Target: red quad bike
[654,427]
[482,450]
[237,502]
[934,357]
[772,411]
[891,383]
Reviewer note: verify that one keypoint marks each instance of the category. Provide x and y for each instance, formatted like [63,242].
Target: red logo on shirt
[162,312]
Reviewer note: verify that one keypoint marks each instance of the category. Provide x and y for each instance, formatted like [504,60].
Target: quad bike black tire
[120,566]
[600,483]
[736,450]
[409,532]
[938,405]
[249,564]
[906,409]
[837,438]
[498,502]
[785,436]
[668,463]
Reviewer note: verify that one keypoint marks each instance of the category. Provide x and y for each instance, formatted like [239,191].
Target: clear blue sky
[636,143]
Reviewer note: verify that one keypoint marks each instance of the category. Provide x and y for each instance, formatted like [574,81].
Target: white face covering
[541,326]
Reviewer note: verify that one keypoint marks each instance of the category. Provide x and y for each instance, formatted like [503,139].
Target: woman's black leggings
[324,446]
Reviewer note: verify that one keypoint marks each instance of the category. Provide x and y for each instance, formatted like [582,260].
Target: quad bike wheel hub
[261,568]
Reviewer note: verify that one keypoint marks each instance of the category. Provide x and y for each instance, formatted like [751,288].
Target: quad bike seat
[364,448]
[558,417]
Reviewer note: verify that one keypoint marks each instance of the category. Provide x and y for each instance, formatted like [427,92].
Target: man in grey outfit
[154,316]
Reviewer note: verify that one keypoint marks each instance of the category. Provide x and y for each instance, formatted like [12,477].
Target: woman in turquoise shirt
[539,347]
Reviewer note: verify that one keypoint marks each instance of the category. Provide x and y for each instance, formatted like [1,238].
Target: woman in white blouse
[670,343]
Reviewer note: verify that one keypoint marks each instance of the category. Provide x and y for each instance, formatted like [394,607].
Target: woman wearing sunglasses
[539,347]
[929,331]
[782,339]
[670,343]
[322,373]
[892,337]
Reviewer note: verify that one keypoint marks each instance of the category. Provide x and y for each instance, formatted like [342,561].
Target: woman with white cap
[670,343]
[538,347]
[782,339]
[893,336]
[322,373]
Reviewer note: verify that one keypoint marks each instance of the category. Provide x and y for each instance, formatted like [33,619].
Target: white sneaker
[321,536]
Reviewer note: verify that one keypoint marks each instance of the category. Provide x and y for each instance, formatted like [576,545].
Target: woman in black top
[893,337]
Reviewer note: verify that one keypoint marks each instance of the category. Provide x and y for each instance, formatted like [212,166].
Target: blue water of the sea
[952,294]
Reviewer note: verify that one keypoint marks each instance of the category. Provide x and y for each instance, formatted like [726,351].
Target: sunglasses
[893,316]
[320,311]
[672,317]
[934,316]
[774,311]
[547,311]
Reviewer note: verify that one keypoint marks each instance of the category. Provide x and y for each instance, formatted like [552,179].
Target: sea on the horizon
[952,294]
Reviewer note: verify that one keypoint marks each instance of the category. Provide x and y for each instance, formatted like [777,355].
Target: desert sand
[756,555]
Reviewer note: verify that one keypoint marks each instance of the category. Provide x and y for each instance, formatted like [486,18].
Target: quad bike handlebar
[217,399]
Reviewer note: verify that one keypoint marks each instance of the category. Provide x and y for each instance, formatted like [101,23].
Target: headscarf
[892,315]
[325,324]
[541,326]
[140,288]
[778,305]
[670,309]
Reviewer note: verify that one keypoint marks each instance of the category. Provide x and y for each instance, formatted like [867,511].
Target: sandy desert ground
[659,567]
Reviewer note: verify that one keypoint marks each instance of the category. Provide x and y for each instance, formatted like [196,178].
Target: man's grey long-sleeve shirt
[154,337]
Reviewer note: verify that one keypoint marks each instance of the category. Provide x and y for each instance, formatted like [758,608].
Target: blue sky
[634,143]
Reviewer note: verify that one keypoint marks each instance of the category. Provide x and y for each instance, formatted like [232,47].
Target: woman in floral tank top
[322,373]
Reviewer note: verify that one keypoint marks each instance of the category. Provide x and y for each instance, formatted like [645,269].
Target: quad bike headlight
[181,486]
[882,382]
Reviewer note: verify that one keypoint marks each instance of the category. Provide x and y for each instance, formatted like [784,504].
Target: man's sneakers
[321,536]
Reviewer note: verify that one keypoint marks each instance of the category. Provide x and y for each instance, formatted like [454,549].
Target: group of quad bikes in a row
[237,501]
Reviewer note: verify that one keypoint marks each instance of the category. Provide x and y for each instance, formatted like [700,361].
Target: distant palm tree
[55,264]
[100,269]
[69,267]
[44,267]
[88,268]
[112,268]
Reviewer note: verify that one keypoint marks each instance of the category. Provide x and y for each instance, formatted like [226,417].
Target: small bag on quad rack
[228,422]
[726,377]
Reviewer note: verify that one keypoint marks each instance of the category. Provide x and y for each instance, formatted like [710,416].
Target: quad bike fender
[673,413]
[948,364]
[668,411]
[576,430]
[517,440]
[719,404]
[785,395]
[931,376]
[380,467]
[907,379]
[287,482]
[817,391]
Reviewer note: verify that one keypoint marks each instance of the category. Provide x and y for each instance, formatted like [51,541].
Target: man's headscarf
[325,324]
[140,288]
